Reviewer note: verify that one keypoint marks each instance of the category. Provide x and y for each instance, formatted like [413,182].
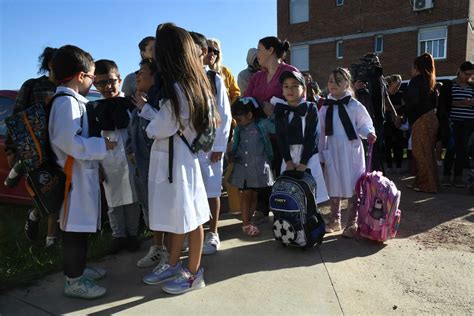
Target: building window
[433,41]
[339,49]
[339,2]
[378,44]
[299,11]
[300,57]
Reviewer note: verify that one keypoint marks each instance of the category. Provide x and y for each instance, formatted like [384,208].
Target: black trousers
[74,253]
[393,141]
[456,156]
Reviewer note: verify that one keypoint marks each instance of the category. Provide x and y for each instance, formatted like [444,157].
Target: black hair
[199,39]
[466,66]
[45,58]
[280,47]
[70,60]
[144,42]
[245,105]
[104,66]
[150,63]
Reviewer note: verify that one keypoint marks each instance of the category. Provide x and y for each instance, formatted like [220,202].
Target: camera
[370,67]
[14,176]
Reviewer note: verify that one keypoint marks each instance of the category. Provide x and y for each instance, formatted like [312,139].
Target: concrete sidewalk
[258,276]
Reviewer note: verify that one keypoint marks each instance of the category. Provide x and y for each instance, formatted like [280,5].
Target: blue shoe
[162,273]
[185,282]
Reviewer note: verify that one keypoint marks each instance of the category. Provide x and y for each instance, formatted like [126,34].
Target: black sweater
[420,99]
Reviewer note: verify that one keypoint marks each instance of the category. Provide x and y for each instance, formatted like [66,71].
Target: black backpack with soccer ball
[296,221]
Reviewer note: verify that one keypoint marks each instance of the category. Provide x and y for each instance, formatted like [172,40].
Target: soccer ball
[284,231]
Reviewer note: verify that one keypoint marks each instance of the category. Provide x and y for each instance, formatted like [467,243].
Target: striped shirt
[459,113]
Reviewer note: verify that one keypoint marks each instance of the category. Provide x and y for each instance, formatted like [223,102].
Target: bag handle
[369,157]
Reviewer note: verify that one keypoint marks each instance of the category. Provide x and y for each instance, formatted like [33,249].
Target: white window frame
[339,44]
[377,38]
[433,42]
[299,11]
[339,3]
[302,65]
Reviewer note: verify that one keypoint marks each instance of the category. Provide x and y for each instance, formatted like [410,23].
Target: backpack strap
[170,158]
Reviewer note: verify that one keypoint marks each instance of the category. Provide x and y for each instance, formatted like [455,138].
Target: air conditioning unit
[419,5]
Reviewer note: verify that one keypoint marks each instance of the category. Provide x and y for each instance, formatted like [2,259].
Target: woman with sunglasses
[460,100]
[213,59]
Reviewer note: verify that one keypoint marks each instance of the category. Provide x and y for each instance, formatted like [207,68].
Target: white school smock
[212,172]
[181,206]
[313,163]
[68,138]
[344,160]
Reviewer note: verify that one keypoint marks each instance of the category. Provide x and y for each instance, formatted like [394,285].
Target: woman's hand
[290,165]
[139,99]
[371,138]
[301,167]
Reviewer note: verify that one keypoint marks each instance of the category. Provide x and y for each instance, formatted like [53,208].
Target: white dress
[181,206]
[344,160]
[68,138]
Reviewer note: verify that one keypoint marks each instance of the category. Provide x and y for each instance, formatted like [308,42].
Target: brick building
[325,34]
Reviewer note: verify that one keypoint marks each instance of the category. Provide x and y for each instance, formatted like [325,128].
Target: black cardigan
[310,145]
[420,99]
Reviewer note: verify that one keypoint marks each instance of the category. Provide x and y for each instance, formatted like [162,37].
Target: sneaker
[333,226]
[94,273]
[446,181]
[258,217]
[162,273]
[156,255]
[350,231]
[83,288]
[32,225]
[211,244]
[458,183]
[117,244]
[132,243]
[185,282]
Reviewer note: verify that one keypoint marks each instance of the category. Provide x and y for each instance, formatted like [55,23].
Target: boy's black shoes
[133,244]
[118,244]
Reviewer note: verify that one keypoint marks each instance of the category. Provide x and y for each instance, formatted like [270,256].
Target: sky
[112,29]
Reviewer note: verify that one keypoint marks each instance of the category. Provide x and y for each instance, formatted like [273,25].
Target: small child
[344,121]
[124,211]
[252,155]
[69,137]
[140,148]
[296,123]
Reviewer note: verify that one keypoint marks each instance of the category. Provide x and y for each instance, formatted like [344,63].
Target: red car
[18,194]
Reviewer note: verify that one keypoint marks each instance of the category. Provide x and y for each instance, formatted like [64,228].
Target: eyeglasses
[92,77]
[104,83]
[212,50]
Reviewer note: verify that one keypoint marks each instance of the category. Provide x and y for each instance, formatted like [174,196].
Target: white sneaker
[94,273]
[211,244]
[83,288]
[156,254]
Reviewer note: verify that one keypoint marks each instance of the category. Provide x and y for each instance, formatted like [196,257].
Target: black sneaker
[32,227]
[133,244]
[117,244]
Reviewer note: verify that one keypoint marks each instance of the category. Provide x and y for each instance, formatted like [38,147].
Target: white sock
[50,240]
[72,280]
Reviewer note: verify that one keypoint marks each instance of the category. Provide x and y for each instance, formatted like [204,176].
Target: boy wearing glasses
[124,210]
[69,137]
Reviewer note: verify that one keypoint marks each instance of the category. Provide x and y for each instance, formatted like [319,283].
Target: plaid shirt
[36,90]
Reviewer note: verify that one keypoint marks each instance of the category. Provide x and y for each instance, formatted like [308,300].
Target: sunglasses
[103,83]
[212,50]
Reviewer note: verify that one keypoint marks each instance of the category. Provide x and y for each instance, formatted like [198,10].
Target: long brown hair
[425,65]
[177,62]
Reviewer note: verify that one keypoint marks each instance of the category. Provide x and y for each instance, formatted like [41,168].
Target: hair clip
[246,100]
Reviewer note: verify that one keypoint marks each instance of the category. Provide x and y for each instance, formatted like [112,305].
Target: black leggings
[74,253]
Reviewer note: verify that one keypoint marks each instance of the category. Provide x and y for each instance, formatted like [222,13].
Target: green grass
[22,261]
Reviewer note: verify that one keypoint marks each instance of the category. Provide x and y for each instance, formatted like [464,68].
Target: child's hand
[371,138]
[109,145]
[290,165]
[301,167]
[216,156]
[139,99]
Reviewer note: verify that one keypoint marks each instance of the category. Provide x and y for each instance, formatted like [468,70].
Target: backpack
[297,220]
[377,205]
[47,183]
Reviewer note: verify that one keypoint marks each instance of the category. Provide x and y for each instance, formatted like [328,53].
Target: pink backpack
[378,201]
